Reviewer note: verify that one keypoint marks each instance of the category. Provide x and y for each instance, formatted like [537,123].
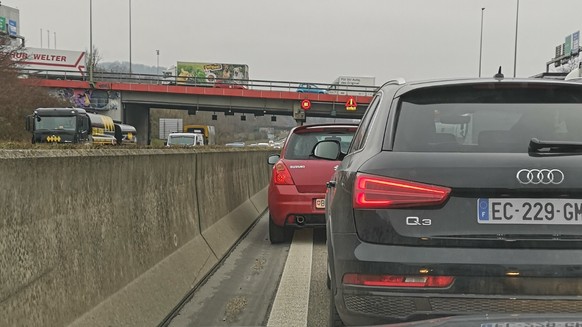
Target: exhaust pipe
[300,220]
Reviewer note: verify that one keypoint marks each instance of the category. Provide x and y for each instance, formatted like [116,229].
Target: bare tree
[18,96]
[93,59]
[573,63]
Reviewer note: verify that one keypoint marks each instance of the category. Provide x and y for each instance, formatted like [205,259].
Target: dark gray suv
[458,197]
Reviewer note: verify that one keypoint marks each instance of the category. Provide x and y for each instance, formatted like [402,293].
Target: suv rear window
[300,145]
[488,121]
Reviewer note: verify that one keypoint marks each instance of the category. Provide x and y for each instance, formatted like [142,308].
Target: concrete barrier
[117,237]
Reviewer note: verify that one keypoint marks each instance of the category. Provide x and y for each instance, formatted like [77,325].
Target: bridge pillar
[139,117]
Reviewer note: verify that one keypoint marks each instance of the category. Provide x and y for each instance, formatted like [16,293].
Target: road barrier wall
[117,237]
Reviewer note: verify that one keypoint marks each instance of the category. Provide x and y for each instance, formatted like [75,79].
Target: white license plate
[530,211]
[320,203]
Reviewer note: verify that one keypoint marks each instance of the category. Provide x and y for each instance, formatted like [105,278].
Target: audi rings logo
[540,176]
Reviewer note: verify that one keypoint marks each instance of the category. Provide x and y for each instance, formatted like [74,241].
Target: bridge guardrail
[252,84]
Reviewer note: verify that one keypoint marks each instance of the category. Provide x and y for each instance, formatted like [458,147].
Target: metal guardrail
[267,85]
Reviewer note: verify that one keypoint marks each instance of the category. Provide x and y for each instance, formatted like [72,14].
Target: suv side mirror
[273,159]
[328,150]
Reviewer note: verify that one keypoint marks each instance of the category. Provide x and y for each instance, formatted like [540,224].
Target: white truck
[185,140]
[353,85]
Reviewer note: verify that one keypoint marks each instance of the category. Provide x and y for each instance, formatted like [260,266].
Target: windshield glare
[57,123]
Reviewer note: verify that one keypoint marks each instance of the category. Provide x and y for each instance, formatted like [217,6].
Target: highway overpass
[130,100]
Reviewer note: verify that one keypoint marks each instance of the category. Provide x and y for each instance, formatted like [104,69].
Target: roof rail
[397,81]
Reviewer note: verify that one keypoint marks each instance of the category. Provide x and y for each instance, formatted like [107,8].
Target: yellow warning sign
[53,138]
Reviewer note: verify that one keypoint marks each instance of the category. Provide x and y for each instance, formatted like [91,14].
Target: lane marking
[291,303]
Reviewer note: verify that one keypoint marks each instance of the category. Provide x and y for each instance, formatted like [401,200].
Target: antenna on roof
[499,74]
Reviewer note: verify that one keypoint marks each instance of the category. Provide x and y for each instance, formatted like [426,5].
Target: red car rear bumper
[286,204]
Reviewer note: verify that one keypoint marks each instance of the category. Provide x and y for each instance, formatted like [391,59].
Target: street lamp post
[130,65]
[158,62]
[481,42]
[516,29]
[91,41]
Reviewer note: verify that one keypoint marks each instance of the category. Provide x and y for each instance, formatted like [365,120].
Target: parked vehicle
[297,187]
[185,140]
[353,85]
[458,197]
[74,125]
[208,131]
[310,88]
[207,75]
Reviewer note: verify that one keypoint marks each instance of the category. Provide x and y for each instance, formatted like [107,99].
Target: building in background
[10,26]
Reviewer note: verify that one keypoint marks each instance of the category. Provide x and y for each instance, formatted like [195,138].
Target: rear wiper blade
[535,145]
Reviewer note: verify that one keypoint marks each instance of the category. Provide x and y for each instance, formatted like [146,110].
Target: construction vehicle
[207,131]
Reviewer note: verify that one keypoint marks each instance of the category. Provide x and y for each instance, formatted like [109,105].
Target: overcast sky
[314,40]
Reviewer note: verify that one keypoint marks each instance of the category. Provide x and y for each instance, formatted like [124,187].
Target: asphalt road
[260,284]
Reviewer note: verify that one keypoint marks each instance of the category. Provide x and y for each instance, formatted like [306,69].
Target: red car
[298,183]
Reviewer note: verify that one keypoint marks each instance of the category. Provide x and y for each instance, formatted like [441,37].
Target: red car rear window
[301,144]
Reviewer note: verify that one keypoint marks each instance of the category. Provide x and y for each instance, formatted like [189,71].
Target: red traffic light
[306,104]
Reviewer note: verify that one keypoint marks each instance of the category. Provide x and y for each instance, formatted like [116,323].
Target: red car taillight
[281,174]
[398,281]
[376,192]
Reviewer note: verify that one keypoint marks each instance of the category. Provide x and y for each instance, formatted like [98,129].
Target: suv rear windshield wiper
[536,145]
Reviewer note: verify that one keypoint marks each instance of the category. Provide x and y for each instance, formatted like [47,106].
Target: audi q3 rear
[458,197]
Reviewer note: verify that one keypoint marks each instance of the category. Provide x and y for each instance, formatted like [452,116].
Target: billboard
[12,30]
[9,20]
[568,45]
[50,60]
[576,43]
[211,73]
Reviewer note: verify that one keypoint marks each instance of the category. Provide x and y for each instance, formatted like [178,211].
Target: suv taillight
[398,281]
[376,192]
[281,174]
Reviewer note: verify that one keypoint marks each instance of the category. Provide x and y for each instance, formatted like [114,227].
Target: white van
[185,140]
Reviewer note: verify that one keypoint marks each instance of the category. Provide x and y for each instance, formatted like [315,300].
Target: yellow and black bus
[206,130]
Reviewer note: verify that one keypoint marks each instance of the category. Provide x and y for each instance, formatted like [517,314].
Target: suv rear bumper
[286,204]
[548,281]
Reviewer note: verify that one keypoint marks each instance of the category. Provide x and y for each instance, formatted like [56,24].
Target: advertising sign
[568,45]
[576,43]
[558,54]
[211,73]
[559,51]
[12,31]
[3,25]
[50,59]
